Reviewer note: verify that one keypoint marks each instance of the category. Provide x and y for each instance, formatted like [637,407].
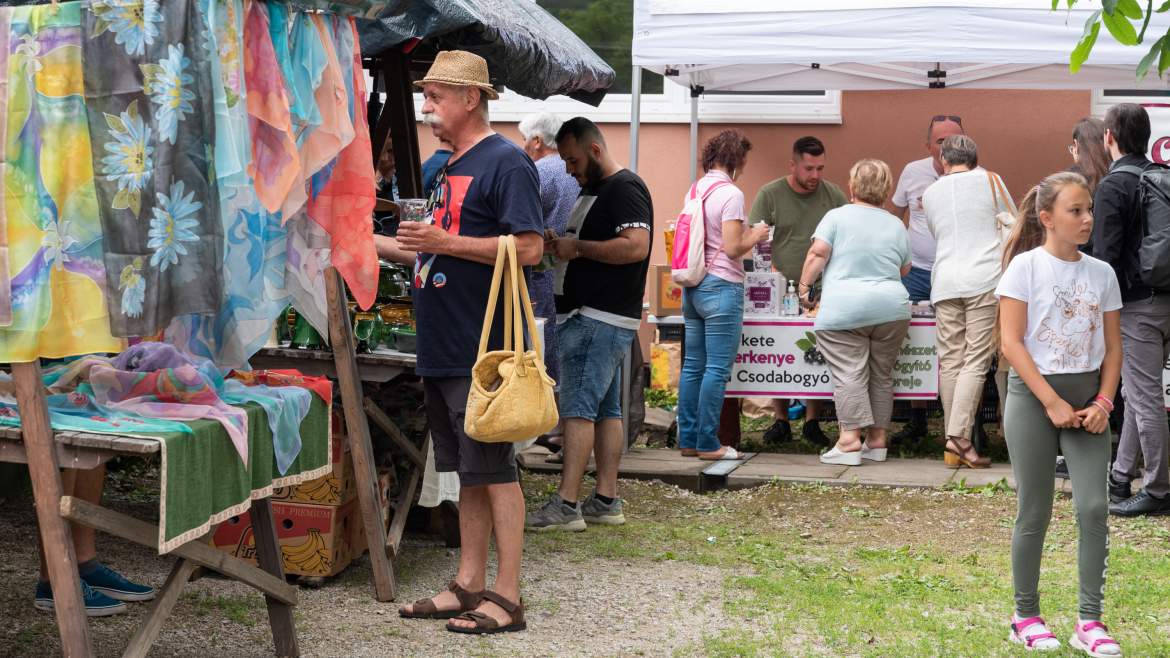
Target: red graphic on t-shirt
[449,206]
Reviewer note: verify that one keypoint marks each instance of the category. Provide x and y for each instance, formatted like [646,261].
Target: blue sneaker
[96,603]
[111,583]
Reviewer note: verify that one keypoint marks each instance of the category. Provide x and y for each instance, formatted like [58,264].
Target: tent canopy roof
[772,45]
[527,50]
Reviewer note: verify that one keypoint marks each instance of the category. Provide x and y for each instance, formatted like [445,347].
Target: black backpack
[1154,250]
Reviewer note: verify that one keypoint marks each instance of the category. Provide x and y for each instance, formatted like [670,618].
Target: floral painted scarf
[148,94]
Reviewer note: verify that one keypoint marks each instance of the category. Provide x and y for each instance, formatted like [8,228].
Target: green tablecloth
[205,483]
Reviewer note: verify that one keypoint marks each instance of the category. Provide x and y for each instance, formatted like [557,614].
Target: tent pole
[695,91]
[635,116]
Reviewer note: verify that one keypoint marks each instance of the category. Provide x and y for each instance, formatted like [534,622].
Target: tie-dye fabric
[344,205]
[51,224]
[307,61]
[148,94]
[275,160]
[5,281]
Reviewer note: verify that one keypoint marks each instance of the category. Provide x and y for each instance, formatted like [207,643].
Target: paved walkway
[758,468]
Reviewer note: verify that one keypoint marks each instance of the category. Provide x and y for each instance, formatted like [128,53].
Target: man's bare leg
[507,512]
[475,529]
[579,440]
[611,441]
[84,485]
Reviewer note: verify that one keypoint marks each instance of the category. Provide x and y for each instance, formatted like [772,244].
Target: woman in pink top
[713,310]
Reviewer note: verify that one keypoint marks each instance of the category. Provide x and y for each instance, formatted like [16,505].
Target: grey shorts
[477,463]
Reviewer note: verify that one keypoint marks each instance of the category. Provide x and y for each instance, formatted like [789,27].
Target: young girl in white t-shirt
[1060,330]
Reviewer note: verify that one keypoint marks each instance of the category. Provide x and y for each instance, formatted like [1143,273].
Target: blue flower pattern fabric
[148,92]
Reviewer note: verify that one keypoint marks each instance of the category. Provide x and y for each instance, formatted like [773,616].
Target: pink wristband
[1108,404]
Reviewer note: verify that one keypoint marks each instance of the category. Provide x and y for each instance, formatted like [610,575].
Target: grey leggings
[1032,441]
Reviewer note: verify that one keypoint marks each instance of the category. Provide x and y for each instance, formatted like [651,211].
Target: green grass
[244,610]
[833,571]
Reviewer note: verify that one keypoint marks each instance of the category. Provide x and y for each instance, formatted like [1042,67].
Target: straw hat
[460,68]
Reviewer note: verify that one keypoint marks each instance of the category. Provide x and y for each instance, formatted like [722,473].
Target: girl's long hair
[1092,159]
[1028,233]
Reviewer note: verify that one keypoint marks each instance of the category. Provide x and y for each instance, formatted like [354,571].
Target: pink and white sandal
[1093,638]
[1033,633]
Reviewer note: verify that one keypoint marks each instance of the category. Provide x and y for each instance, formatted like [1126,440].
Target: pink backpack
[688,263]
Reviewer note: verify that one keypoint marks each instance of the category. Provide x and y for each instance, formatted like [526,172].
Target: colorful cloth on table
[286,407]
[344,205]
[55,274]
[148,93]
[322,386]
[275,160]
[308,257]
[254,240]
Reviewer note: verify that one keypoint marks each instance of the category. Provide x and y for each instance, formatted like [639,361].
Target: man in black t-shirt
[488,188]
[600,281]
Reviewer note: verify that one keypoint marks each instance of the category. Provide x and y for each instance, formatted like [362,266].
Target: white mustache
[431,120]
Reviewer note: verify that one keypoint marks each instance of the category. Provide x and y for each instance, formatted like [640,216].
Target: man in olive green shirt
[794,205]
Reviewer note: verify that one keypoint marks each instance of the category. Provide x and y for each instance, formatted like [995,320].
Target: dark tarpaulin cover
[527,50]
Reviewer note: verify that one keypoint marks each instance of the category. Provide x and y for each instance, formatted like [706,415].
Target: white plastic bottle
[791,300]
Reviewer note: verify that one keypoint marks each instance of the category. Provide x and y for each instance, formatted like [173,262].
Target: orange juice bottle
[668,236]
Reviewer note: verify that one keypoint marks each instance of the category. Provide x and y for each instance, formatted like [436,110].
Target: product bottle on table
[791,301]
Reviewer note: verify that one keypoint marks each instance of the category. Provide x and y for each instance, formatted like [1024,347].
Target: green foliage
[607,26]
[661,399]
[1127,22]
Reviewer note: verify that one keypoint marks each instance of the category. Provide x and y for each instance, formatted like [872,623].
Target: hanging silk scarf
[275,160]
[307,253]
[307,61]
[345,204]
[51,220]
[148,96]
[255,241]
[5,281]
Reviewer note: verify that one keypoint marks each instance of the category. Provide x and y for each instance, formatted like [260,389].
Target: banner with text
[780,359]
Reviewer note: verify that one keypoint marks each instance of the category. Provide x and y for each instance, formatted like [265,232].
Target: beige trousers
[966,328]
[862,363]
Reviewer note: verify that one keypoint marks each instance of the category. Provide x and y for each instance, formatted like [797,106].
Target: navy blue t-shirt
[493,189]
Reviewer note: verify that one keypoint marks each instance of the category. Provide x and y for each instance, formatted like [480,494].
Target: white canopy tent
[779,45]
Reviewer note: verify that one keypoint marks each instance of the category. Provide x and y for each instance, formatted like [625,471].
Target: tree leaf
[803,345]
[1109,6]
[1165,6]
[1121,29]
[1085,45]
[1164,60]
[811,337]
[1155,51]
[1129,9]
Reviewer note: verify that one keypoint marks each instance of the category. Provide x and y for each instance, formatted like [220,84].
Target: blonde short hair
[871,181]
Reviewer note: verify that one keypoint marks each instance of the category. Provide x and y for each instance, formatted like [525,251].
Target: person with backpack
[713,306]
[1132,234]
[1060,332]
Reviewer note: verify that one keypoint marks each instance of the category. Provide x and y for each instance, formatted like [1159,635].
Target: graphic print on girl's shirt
[1070,334]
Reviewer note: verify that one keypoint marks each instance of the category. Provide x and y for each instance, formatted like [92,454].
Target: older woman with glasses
[865,311]
[961,209]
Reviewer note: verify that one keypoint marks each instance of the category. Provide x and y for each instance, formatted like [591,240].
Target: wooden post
[56,539]
[280,614]
[364,471]
[160,609]
[397,121]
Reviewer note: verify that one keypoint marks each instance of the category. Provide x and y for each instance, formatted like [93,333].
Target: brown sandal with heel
[426,608]
[959,456]
[486,624]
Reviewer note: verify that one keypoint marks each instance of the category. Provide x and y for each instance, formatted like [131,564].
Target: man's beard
[593,172]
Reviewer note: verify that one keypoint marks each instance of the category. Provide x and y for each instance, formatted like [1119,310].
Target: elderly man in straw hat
[488,188]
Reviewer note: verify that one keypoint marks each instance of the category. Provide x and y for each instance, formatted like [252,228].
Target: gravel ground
[579,608]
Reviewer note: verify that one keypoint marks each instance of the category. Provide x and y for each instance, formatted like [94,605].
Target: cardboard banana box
[337,488]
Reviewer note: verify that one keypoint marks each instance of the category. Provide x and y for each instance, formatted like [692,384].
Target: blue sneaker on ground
[106,581]
[96,603]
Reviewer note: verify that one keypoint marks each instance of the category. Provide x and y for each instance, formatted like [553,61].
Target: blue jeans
[591,359]
[713,313]
[917,284]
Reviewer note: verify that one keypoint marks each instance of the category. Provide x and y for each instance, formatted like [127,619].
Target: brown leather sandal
[426,609]
[959,456]
[486,624]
